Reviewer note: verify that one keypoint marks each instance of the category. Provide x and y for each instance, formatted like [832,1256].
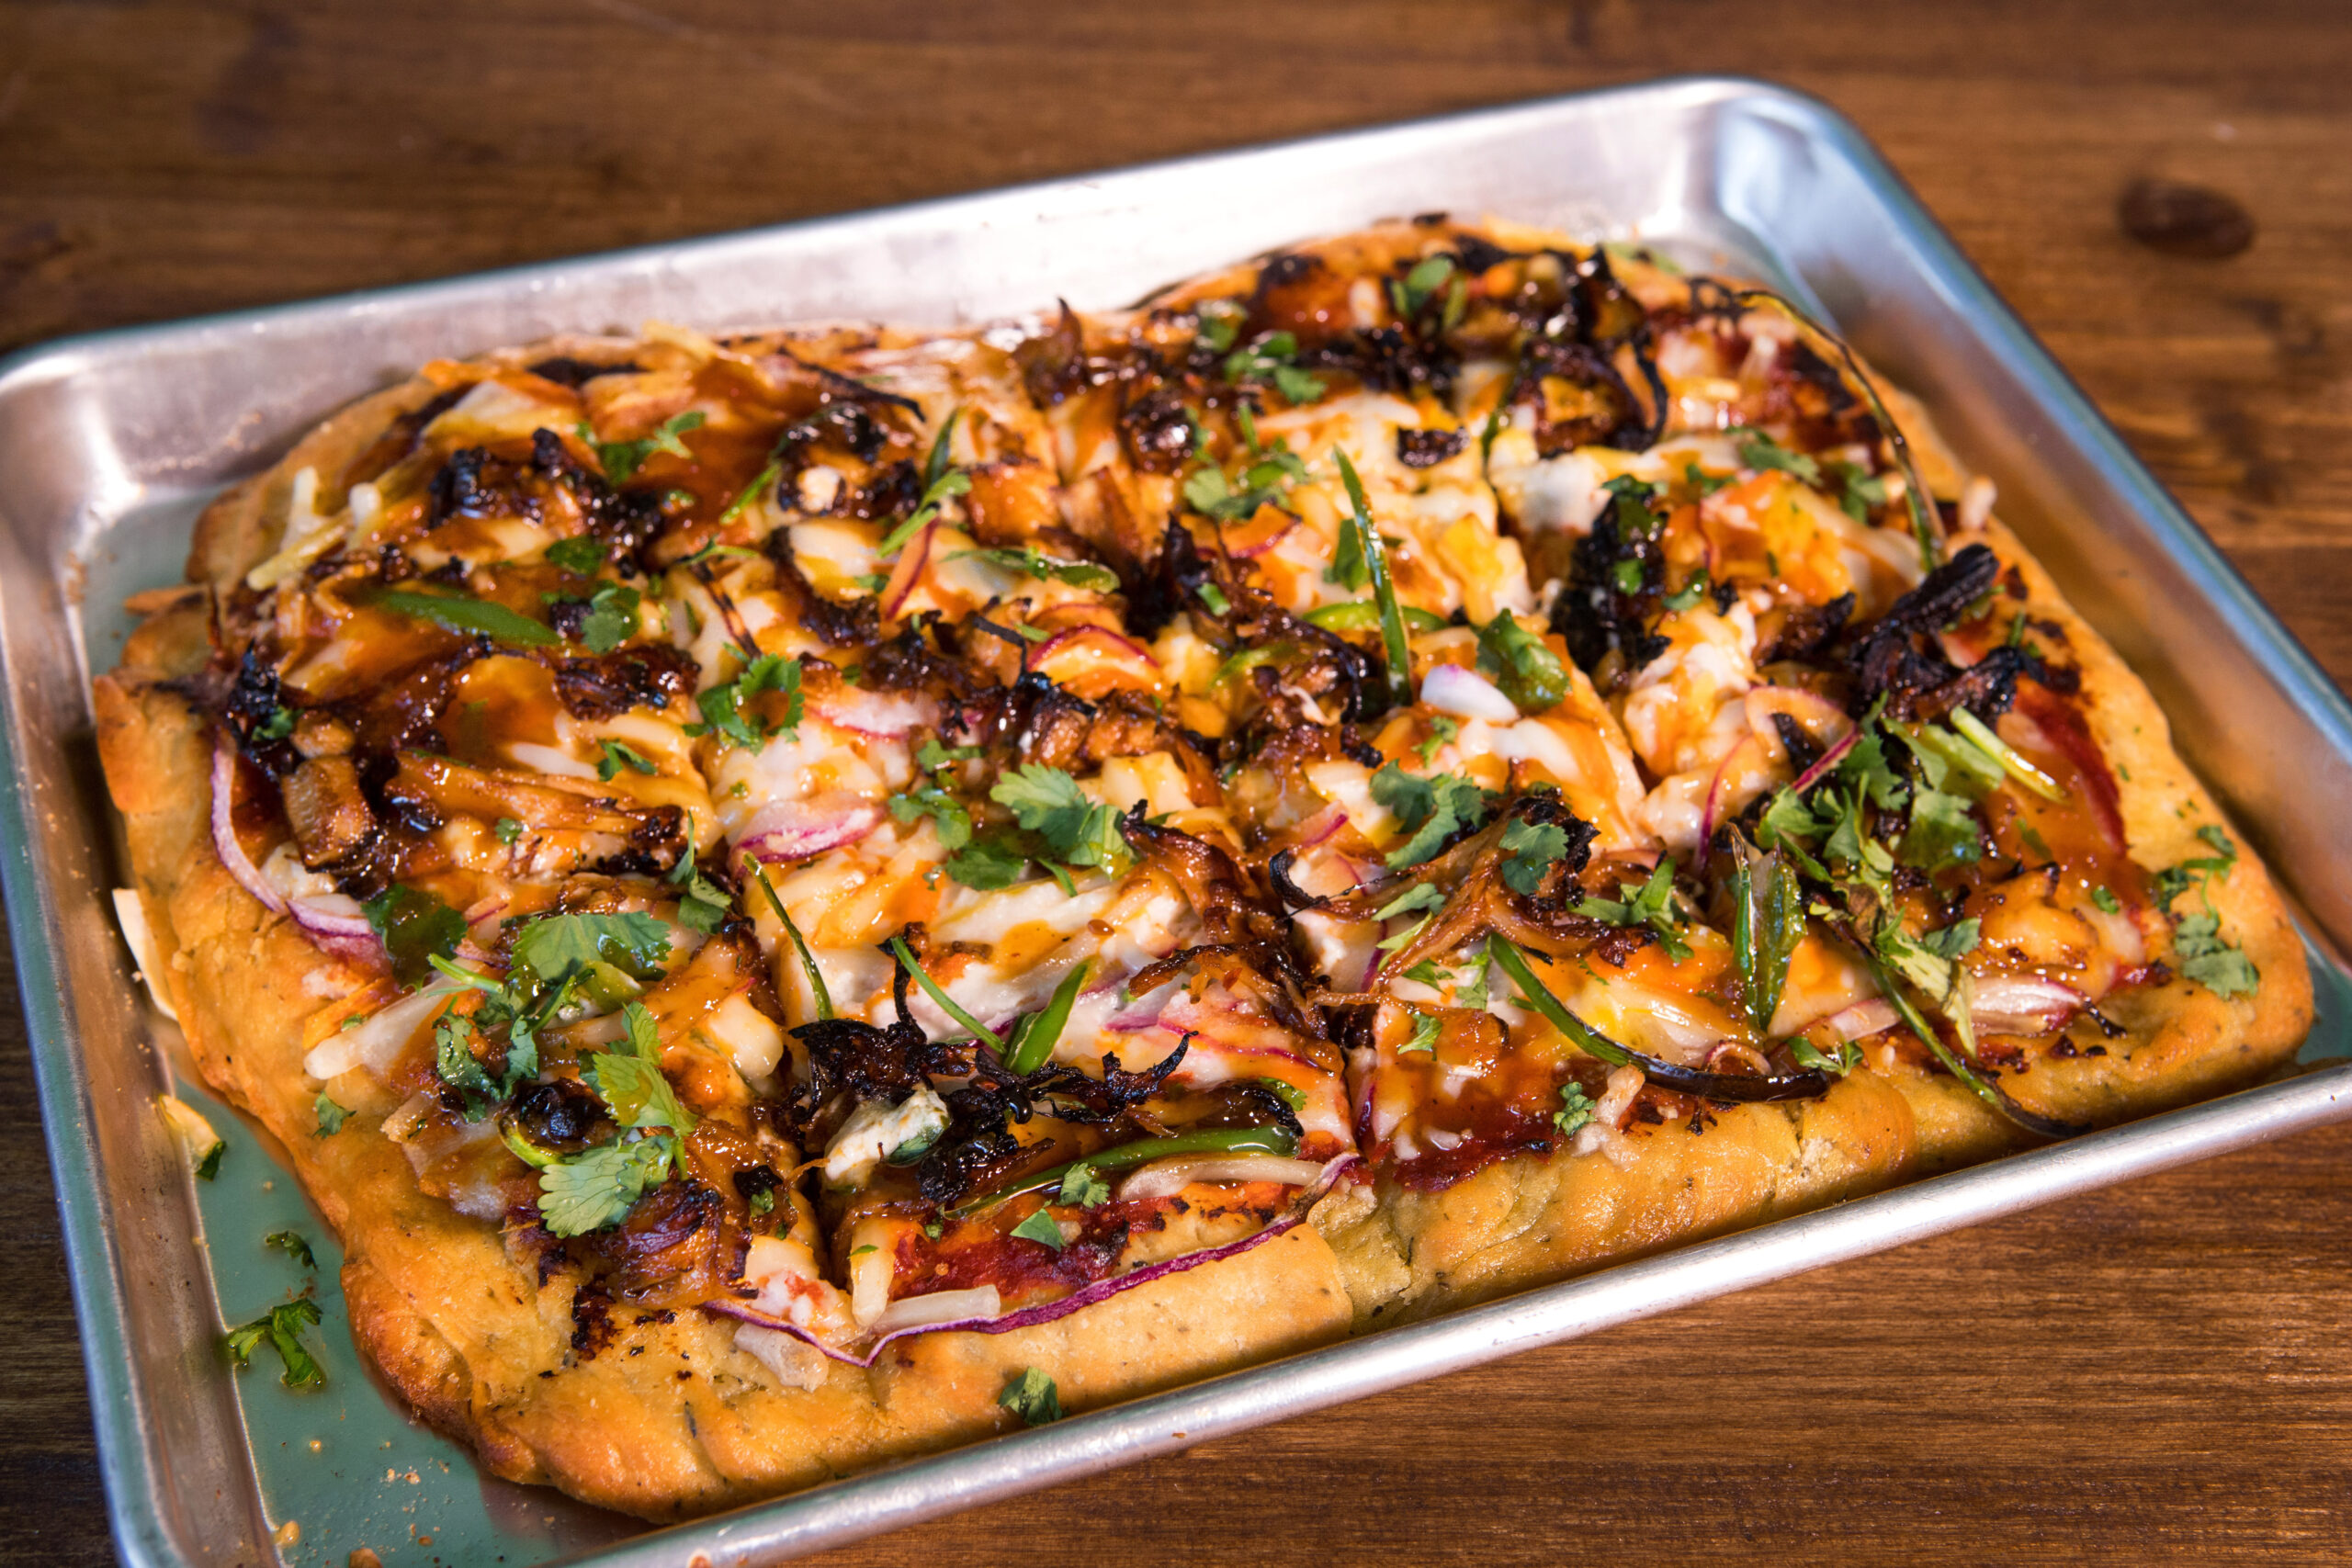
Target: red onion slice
[1121,647]
[2022,1004]
[793,830]
[1828,760]
[1046,1311]
[908,572]
[882,715]
[1862,1020]
[224,830]
[1719,788]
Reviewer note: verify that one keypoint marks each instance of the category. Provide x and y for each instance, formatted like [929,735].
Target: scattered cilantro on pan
[1078,831]
[1943,832]
[630,1082]
[557,947]
[2205,958]
[415,928]
[280,1328]
[950,819]
[1432,808]
[331,1116]
[1032,1397]
[724,713]
[291,1244]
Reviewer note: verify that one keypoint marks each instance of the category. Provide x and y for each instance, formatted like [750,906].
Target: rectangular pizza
[802,898]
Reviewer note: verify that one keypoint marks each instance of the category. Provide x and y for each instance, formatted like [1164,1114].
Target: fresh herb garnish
[415,928]
[724,713]
[1530,849]
[1041,1228]
[1431,808]
[331,1116]
[506,830]
[1760,451]
[611,618]
[1267,359]
[281,1329]
[1078,831]
[1576,1110]
[1648,903]
[619,754]
[1521,664]
[621,460]
[702,903]
[1032,1397]
[291,1244]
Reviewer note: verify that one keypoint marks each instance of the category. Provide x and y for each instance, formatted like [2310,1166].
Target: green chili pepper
[946,1003]
[1384,589]
[1220,1141]
[807,962]
[1539,996]
[463,614]
[1032,1042]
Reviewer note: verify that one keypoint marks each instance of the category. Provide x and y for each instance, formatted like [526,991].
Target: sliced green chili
[1219,1140]
[1033,1041]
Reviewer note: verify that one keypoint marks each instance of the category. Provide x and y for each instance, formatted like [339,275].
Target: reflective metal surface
[110,444]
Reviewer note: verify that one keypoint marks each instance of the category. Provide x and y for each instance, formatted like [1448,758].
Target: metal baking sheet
[111,443]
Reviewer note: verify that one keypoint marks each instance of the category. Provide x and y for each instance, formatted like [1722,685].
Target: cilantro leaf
[1042,1228]
[1760,451]
[276,727]
[723,706]
[1942,832]
[507,830]
[1431,808]
[1427,1026]
[1530,849]
[1081,1186]
[1576,1110]
[633,1085]
[1442,730]
[455,1062]
[619,754]
[1859,490]
[1522,665]
[1954,942]
[621,460]
[415,926]
[1418,898]
[1649,903]
[556,948]
[704,905]
[291,1244]
[1689,593]
[280,1328]
[2107,902]
[1032,1397]
[611,620]
[580,554]
[331,1116]
[987,864]
[949,816]
[2213,964]
[1048,802]
[1220,323]
[598,1187]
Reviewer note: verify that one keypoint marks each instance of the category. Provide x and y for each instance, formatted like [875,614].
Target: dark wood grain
[2158,1373]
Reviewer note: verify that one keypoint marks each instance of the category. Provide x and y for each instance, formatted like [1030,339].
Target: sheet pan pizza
[801,897]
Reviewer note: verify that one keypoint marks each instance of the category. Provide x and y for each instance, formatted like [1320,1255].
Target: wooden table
[2159,1372]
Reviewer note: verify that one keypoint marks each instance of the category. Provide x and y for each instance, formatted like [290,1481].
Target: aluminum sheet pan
[111,443]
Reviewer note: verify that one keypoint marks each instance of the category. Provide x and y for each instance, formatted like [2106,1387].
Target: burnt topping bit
[457,488]
[609,684]
[332,820]
[560,1114]
[1427,449]
[1895,657]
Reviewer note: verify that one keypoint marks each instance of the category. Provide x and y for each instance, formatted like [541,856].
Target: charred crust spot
[592,1321]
